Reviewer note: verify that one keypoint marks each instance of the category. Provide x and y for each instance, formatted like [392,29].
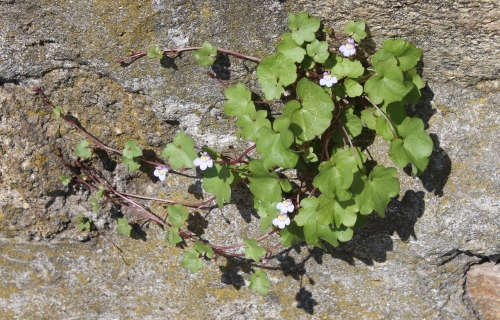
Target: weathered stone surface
[483,287]
[410,265]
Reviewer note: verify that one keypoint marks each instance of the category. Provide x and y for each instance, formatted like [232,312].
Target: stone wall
[411,265]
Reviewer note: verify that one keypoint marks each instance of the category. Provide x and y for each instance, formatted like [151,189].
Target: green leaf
[192,260]
[155,52]
[133,164]
[343,68]
[375,192]
[82,151]
[259,282]
[353,88]
[273,145]
[308,218]
[251,123]
[381,55]
[131,150]
[267,212]
[95,204]
[369,119]
[414,95]
[172,236]
[303,28]
[217,181]
[337,212]
[292,235]
[352,124]
[336,175]
[291,49]
[204,249]
[57,112]
[318,50]
[407,53]
[356,29]
[313,116]
[177,215]
[123,227]
[239,101]
[65,179]
[100,194]
[274,73]
[265,185]
[83,223]
[180,152]
[253,251]
[415,147]
[206,55]
[388,84]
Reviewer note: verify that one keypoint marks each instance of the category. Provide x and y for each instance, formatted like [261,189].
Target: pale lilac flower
[348,49]
[285,206]
[281,220]
[328,80]
[204,161]
[161,171]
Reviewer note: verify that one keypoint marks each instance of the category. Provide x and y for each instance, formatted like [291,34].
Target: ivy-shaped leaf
[217,181]
[172,235]
[251,123]
[180,153]
[267,212]
[265,185]
[291,49]
[95,204]
[155,52]
[308,218]
[356,29]
[83,223]
[273,145]
[123,227]
[192,260]
[351,123]
[253,251]
[82,151]
[133,164]
[336,212]
[336,175]
[206,54]
[318,50]
[204,249]
[303,28]
[131,150]
[65,179]
[388,84]
[292,235]
[274,73]
[239,101]
[415,147]
[353,88]
[177,215]
[375,192]
[259,282]
[407,53]
[313,116]
[57,112]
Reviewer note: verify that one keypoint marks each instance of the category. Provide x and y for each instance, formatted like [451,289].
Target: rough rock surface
[411,265]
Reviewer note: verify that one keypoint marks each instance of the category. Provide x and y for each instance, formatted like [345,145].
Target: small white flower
[285,206]
[348,49]
[281,220]
[161,171]
[204,161]
[328,80]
